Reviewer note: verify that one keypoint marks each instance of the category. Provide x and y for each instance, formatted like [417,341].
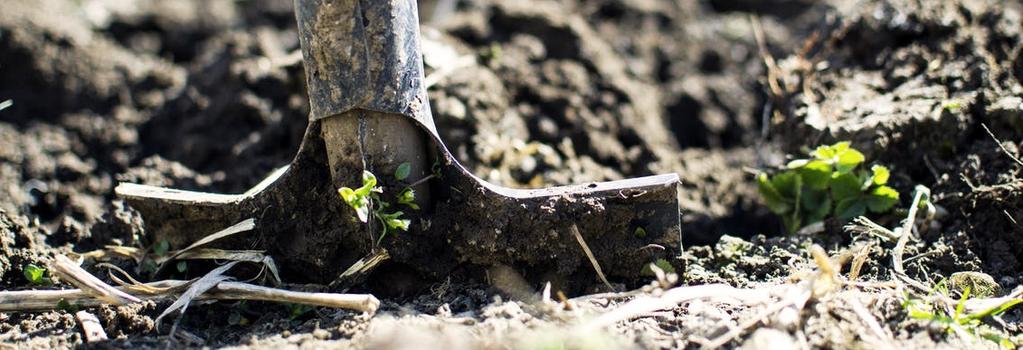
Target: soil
[209,95]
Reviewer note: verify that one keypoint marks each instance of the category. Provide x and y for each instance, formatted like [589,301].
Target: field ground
[209,95]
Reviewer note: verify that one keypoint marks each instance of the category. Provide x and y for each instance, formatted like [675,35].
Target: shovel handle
[362,54]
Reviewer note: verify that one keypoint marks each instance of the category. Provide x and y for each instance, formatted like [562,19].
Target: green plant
[36,275]
[956,320]
[366,200]
[66,306]
[830,182]
[297,310]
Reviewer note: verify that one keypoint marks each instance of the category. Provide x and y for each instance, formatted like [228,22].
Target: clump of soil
[209,95]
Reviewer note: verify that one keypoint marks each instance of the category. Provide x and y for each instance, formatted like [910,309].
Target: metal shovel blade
[369,110]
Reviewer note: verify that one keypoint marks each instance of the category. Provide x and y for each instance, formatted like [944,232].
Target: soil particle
[124,321]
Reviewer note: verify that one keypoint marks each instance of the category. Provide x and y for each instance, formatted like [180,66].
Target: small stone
[981,285]
[321,334]
[769,338]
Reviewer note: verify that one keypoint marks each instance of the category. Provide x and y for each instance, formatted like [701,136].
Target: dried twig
[907,231]
[1000,145]
[593,259]
[46,300]
[70,272]
[360,269]
[858,260]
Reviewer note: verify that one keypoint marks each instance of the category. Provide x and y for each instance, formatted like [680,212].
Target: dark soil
[209,95]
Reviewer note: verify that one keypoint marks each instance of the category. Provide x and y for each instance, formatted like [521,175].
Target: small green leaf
[817,205]
[182,266]
[879,174]
[408,197]
[640,232]
[848,160]
[362,210]
[404,169]
[845,186]
[36,275]
[850,208]
[816,174]
[359,202]
[347,194]
[64,305]
[787,184]
[772,198]
[664,265]
[161,248]
[825,152]
[369,181]
[882,198]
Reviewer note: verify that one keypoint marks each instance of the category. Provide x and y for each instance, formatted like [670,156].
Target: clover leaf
[831,182]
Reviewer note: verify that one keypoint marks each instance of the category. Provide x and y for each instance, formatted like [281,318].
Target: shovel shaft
[362,55]
[364,74]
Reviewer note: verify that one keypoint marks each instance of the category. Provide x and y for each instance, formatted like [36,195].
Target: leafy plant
[366,200]
[36,275]
[830,182]
[958,321]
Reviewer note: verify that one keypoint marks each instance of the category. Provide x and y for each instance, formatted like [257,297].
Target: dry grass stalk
[47,300]
[70,272]
[589,254]
[243,226]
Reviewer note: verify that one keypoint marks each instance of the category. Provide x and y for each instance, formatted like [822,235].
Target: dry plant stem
[1000,145]
[589,254]
[360,268]
[858,260]
[70,272]
[46,300]
[245,225]
[900,247]
[772,66]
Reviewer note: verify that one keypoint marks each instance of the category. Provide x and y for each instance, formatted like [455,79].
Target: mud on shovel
[369,110]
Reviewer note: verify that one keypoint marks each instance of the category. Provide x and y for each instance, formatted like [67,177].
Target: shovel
[369,111]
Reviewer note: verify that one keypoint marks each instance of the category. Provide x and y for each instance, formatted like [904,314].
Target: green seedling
[366,200]
[297,310]
[959,322]
[36,275]
[831,182]
[661,263]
